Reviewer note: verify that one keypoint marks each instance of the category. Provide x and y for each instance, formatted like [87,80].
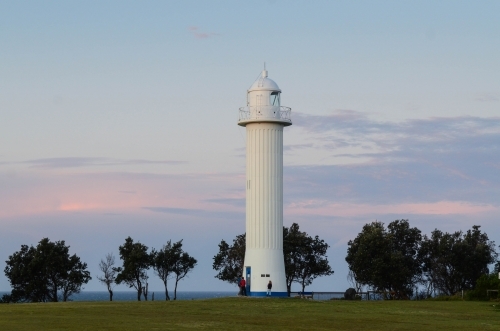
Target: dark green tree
[229,261]
[305,257]
[45,273]
[109,274]
[314,262]
[453,262]
[387,260]
[164,262]
[293,242]
[184,264]
[136,262]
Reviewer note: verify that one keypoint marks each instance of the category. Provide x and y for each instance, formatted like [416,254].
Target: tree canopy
[183,265]
[164,261]
[455,261]
[387,259]
[136,262]
[46,272]
[395,260]
[305,257]
[229,261]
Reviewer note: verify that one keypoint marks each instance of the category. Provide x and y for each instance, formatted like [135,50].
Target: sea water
[158,295]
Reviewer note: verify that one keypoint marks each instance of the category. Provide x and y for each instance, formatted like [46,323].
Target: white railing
[266,112]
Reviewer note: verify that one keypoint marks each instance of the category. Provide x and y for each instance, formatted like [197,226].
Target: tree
[164,262]
[45,273]
[455,261]
[108,277]
[305,257]
[293,241]
[314,262]
[136,262]
[387,260]
[229,261]
[184,264]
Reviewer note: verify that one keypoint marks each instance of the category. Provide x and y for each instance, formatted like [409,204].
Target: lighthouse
[264,119]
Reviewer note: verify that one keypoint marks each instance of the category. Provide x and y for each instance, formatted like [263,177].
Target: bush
[456,297]
[484,283]
[6,298]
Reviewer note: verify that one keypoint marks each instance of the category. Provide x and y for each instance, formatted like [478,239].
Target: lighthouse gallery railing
[266,112]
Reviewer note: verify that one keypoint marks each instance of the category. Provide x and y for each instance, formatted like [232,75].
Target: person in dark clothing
[269,287]
[240,292]
[243,284]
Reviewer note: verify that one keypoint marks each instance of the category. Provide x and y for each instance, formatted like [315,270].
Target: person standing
[269,287]
[243,287]
[240,292]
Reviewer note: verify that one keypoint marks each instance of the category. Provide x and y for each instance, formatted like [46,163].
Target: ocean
[159,295]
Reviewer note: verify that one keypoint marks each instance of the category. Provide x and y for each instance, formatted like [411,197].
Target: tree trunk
[175,290]
[289,289]
[167,297]
[110,294]
[54,294]
[139,292]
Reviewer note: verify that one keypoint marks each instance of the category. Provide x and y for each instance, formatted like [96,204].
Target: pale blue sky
[119,118]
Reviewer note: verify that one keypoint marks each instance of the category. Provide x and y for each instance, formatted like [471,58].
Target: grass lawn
[253,314]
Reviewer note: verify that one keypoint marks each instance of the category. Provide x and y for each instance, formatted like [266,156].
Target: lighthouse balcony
[282,115]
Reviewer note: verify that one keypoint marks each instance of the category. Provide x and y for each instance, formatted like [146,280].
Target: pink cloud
[325,208]
[112,193]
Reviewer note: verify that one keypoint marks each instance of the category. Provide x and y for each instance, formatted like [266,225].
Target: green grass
[252,314]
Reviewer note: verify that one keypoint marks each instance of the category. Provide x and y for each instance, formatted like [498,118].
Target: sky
[119,118]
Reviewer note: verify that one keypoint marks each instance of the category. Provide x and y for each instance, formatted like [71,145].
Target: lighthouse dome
[264,83]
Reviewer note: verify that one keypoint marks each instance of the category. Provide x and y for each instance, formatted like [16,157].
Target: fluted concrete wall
[264,203]
[264,206]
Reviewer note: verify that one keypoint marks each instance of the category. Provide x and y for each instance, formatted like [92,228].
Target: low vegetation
[252,314]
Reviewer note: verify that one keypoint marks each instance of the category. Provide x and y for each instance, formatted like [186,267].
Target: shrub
[484,283]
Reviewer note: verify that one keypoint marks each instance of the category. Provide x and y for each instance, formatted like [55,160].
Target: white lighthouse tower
[264,119]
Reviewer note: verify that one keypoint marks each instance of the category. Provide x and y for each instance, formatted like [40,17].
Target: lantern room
[264,103]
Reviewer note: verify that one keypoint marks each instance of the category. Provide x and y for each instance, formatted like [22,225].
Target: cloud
[290,148]
[236,202]
[204,214]
[342,130]
[180,211]
[198,34]
[321,207]
[401,164]
[36,193]
[73,162]
[487,98]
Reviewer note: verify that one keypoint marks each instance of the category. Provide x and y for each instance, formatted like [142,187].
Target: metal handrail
[262,112]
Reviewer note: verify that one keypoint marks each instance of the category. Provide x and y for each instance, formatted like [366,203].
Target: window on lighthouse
[275,99]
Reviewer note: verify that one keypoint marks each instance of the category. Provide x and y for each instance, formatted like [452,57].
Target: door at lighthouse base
[248,277]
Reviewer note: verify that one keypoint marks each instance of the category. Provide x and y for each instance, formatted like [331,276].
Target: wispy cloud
[198,34]
[73,162]
[487,98]
[290,148]
[198,213]
[405,140]
[410,163]
[236,202]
